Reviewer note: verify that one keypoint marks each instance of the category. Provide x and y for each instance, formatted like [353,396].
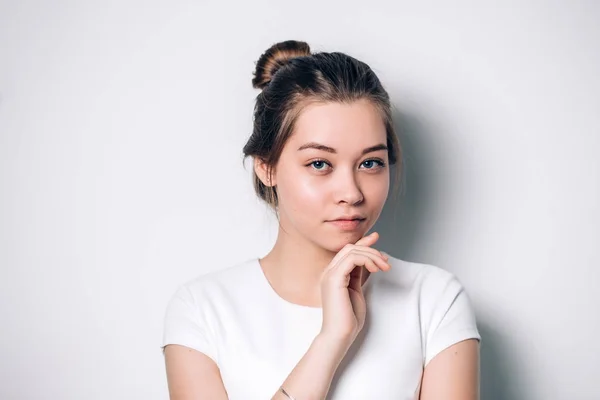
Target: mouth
[347,224]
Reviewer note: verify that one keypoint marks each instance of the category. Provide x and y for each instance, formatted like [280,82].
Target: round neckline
[286,303]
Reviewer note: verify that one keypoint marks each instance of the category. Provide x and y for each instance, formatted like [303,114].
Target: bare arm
[453,374]
[193,375]
[312,376]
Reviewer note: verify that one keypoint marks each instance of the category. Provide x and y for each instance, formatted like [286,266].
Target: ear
[262,171]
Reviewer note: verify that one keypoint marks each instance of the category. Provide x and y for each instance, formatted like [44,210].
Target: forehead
[343,126]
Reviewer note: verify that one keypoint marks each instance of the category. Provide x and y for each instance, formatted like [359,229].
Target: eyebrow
[317,146]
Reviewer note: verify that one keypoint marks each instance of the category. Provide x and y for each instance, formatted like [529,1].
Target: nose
[347,189]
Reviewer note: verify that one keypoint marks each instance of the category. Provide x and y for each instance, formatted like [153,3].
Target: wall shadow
[399,224]
[401,228]
[500,375]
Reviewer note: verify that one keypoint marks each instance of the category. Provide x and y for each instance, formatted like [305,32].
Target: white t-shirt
[256,338]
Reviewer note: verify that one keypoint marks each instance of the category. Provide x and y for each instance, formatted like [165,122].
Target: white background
[121,130]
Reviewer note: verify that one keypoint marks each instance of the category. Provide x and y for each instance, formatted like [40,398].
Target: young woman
[323,314]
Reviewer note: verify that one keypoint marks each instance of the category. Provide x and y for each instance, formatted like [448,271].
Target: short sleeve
[452,320]
[186,324]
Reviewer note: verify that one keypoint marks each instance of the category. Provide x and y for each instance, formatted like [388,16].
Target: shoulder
[432,289]
[426,279]
[445,314]
[218,282]
[196,309]
[233,273]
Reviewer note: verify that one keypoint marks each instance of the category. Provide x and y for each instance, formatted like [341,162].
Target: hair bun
[276,57]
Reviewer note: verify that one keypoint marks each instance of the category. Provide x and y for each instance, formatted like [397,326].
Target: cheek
[303,191]
[300,192]
[310,190]
[376,190]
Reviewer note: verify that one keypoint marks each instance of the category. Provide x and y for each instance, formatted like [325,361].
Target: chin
[336,243]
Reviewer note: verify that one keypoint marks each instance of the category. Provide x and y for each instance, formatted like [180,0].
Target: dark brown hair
[291,78]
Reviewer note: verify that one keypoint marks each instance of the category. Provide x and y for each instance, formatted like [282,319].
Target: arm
[453,374]
[192,375]
[344,311]
[311,377]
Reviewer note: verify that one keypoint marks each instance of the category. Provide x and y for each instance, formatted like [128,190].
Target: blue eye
[318,164]
[370,164]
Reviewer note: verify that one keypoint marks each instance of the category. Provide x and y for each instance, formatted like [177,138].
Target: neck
[294,267]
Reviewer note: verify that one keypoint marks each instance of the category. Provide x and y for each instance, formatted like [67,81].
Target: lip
[347,223]
[349,217]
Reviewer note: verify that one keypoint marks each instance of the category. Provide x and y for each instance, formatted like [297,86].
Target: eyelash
[380,163]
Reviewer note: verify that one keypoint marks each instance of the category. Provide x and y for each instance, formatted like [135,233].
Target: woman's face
[333,176]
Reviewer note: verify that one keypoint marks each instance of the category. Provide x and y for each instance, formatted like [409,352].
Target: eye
[319,165]
[372,164]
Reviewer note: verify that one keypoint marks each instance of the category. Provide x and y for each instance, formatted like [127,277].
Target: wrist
[336,346]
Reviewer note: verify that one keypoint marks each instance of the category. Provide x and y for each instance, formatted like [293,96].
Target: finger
[340,254]
[353,260]
[372,251]
[371,266]
[356,278]
[368,240]
[379,261]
